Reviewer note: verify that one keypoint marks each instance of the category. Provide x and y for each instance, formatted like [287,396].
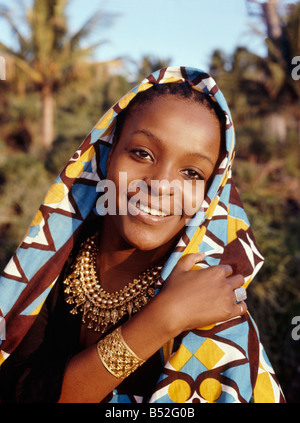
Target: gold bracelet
[116,356]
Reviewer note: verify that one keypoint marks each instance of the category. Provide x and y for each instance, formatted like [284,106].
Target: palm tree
[262,87]
[50,54]
[283,43]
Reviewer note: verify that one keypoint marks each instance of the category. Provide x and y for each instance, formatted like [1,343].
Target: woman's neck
[119,263]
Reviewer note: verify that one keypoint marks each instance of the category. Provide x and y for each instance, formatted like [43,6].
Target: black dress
[34,372]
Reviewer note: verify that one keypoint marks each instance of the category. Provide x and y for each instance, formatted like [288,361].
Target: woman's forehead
[175,123]
[169,106]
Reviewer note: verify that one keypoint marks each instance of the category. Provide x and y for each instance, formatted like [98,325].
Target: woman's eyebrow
[155,138]
[200,156]
[148,134]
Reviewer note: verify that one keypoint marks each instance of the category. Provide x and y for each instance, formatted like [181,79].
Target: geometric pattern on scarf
[223,363]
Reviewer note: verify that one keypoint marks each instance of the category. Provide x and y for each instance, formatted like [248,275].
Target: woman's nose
[162,182]
[159,187]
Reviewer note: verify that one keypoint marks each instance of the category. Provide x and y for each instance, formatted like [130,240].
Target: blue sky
[185,31]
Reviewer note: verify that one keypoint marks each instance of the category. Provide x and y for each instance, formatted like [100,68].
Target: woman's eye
[193,174]
[142,154]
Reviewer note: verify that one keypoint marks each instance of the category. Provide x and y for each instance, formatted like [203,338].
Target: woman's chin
[143,243]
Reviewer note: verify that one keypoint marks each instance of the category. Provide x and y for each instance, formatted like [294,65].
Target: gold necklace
[99,308]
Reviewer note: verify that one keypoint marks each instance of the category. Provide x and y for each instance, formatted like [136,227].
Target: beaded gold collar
[99,308]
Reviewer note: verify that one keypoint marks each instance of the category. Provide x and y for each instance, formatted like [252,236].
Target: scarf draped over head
[221,363]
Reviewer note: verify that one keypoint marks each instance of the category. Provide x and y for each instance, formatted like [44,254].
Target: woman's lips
[152,211]
[147,214]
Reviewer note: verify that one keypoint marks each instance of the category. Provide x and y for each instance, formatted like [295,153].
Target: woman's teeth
[148,210]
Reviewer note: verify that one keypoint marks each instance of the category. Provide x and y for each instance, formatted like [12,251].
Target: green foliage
[49,56]
[270,196]
[23,184]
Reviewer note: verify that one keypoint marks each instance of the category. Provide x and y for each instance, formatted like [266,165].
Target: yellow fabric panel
[179,391]
[74,169]
[2,359]
[104,121]
[37,218]
[55,194]
[234,225]
[108,131]
[200,90]
[172,79]
[144,86]
[193,246]
[247,282]
[209,353]
[210,389]
[212,207]
[126,100]
[263,391]
[36,311]
[180,358]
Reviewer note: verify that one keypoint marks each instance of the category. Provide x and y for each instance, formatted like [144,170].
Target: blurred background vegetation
[55,93]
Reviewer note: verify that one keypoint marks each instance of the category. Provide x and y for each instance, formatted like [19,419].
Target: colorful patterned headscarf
[221,363]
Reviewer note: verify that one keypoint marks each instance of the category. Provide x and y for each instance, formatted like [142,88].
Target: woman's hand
[189,299]
[197,298]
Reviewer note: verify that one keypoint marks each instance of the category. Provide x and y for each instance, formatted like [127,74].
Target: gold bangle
[116,356]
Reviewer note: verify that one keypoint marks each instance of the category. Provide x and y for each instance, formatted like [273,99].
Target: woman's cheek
[193,196]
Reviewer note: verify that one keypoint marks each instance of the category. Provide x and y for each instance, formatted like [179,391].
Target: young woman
[136,294]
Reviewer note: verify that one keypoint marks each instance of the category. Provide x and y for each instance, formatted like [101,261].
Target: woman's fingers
[189,260]
[227,269]
[240,309]
[236,281]
[207,293]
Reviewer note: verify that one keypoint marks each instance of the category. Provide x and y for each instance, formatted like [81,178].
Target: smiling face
[169,139]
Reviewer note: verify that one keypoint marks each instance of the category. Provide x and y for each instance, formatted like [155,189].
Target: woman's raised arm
[188,300]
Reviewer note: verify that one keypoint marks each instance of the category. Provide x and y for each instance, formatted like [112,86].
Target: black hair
[179,90]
